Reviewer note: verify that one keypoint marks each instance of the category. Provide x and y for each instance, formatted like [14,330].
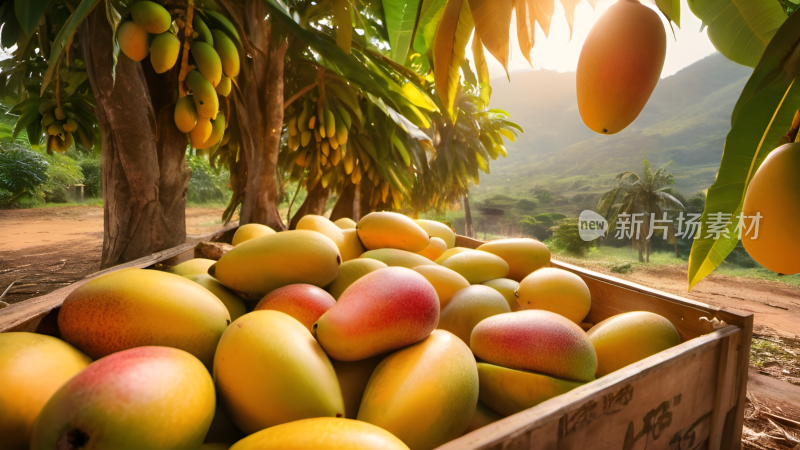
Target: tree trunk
[469,229]
[260,114]
[315,203]
[346,203]
[143,165]
[364,196]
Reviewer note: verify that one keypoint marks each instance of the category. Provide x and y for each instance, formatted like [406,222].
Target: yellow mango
[379,230]
[477,266]
[185,114]
[434,250]
[468,307]
[450,252]
[151,16]
[350,271]
[207,61]
[445,281]
[235,305]
[508,288]
[322,434]
[400,258]
[133,41]
[353,377]
[522,255]
[164,52]
[557,291]
[345,223]
[510,391]
[440,230]
[250,231]
[228,53]
[194,266]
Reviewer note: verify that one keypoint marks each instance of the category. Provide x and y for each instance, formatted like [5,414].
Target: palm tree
[644,194]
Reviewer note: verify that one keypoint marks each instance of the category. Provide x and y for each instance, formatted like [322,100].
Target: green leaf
[344,24]
[449,49]
[671,9]
[11,28]
[63,37]
[430,15]
[29,115]
[401,18]
[29,13]
[482,68]
[762,115]
[740,29]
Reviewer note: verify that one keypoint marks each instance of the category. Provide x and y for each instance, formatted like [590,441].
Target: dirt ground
[44,249]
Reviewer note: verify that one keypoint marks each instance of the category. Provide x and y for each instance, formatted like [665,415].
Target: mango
[557,291]
[468,307]
[350,271]
[399,258]
[185,114]
[259,266]
[32,368]
[207,61]
[477,266]
[224,87]
[194,266]
[203,32]
[536,341]
[349,245]
[155,398]
[234,304]
[136,308]
[510,391]
[523,255]
[424,394]
[164,52]
[483,415]
[391,230]
[774,193]
[304,302]
[353,377]
[151,16]
[445,281]
[450,252]
[439,230]
[133,41]
[434,250]
[201,132]
[269,370]
[322,433]
[204,96]
[217,131]
[228,53]
[345,223]
[382,311]
[351,248]
[507,288]
[250,231]
[626,338]
[620,66]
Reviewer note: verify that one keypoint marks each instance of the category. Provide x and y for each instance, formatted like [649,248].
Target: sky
[561,54]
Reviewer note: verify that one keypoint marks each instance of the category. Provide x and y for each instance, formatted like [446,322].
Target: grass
[28,204]
[758,274]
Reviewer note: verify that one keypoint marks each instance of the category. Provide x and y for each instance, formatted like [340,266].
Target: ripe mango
[217,131]
[382,311]
[164,52]
[350,271]
[440,230]
[345,223]
[194,266]
[203,32]
[250,231]
[434,250]
[201,132]
[207,61]
[304,302]
[228,53]
[450,252]
[537,341]
[185,114]
[774,192]
[510,391]
[445,281]
[32,368]
[399,258]
[468,307]
[477,266]
[620,66]
[483,415]
[136,308]
[322,433]
[151,16]
[224,87]
[391,230]
[133,41]
[351,248]
[557,291]
[424,394]
[522,255]
[269,370]
[258,266]
[353,377]
[507,288]
[321,224]
[626,338]
[155,398]
[234,303]
[204,96]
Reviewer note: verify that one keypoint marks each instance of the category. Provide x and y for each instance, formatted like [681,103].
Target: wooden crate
[686,398]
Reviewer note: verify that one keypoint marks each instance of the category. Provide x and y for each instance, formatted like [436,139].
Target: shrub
[567,236]
[22,172]
[206,185]
[62,172]
[92,178]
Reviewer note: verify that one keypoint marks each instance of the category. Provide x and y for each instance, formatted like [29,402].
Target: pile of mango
[376,335]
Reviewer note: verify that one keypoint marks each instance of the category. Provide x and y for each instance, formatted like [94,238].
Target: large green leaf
[762,115]
[482,69]
[450,46]
[430,15]
[740,29]
[29,13]
[401,19]
[63,38]
[344,25]
[671,9]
